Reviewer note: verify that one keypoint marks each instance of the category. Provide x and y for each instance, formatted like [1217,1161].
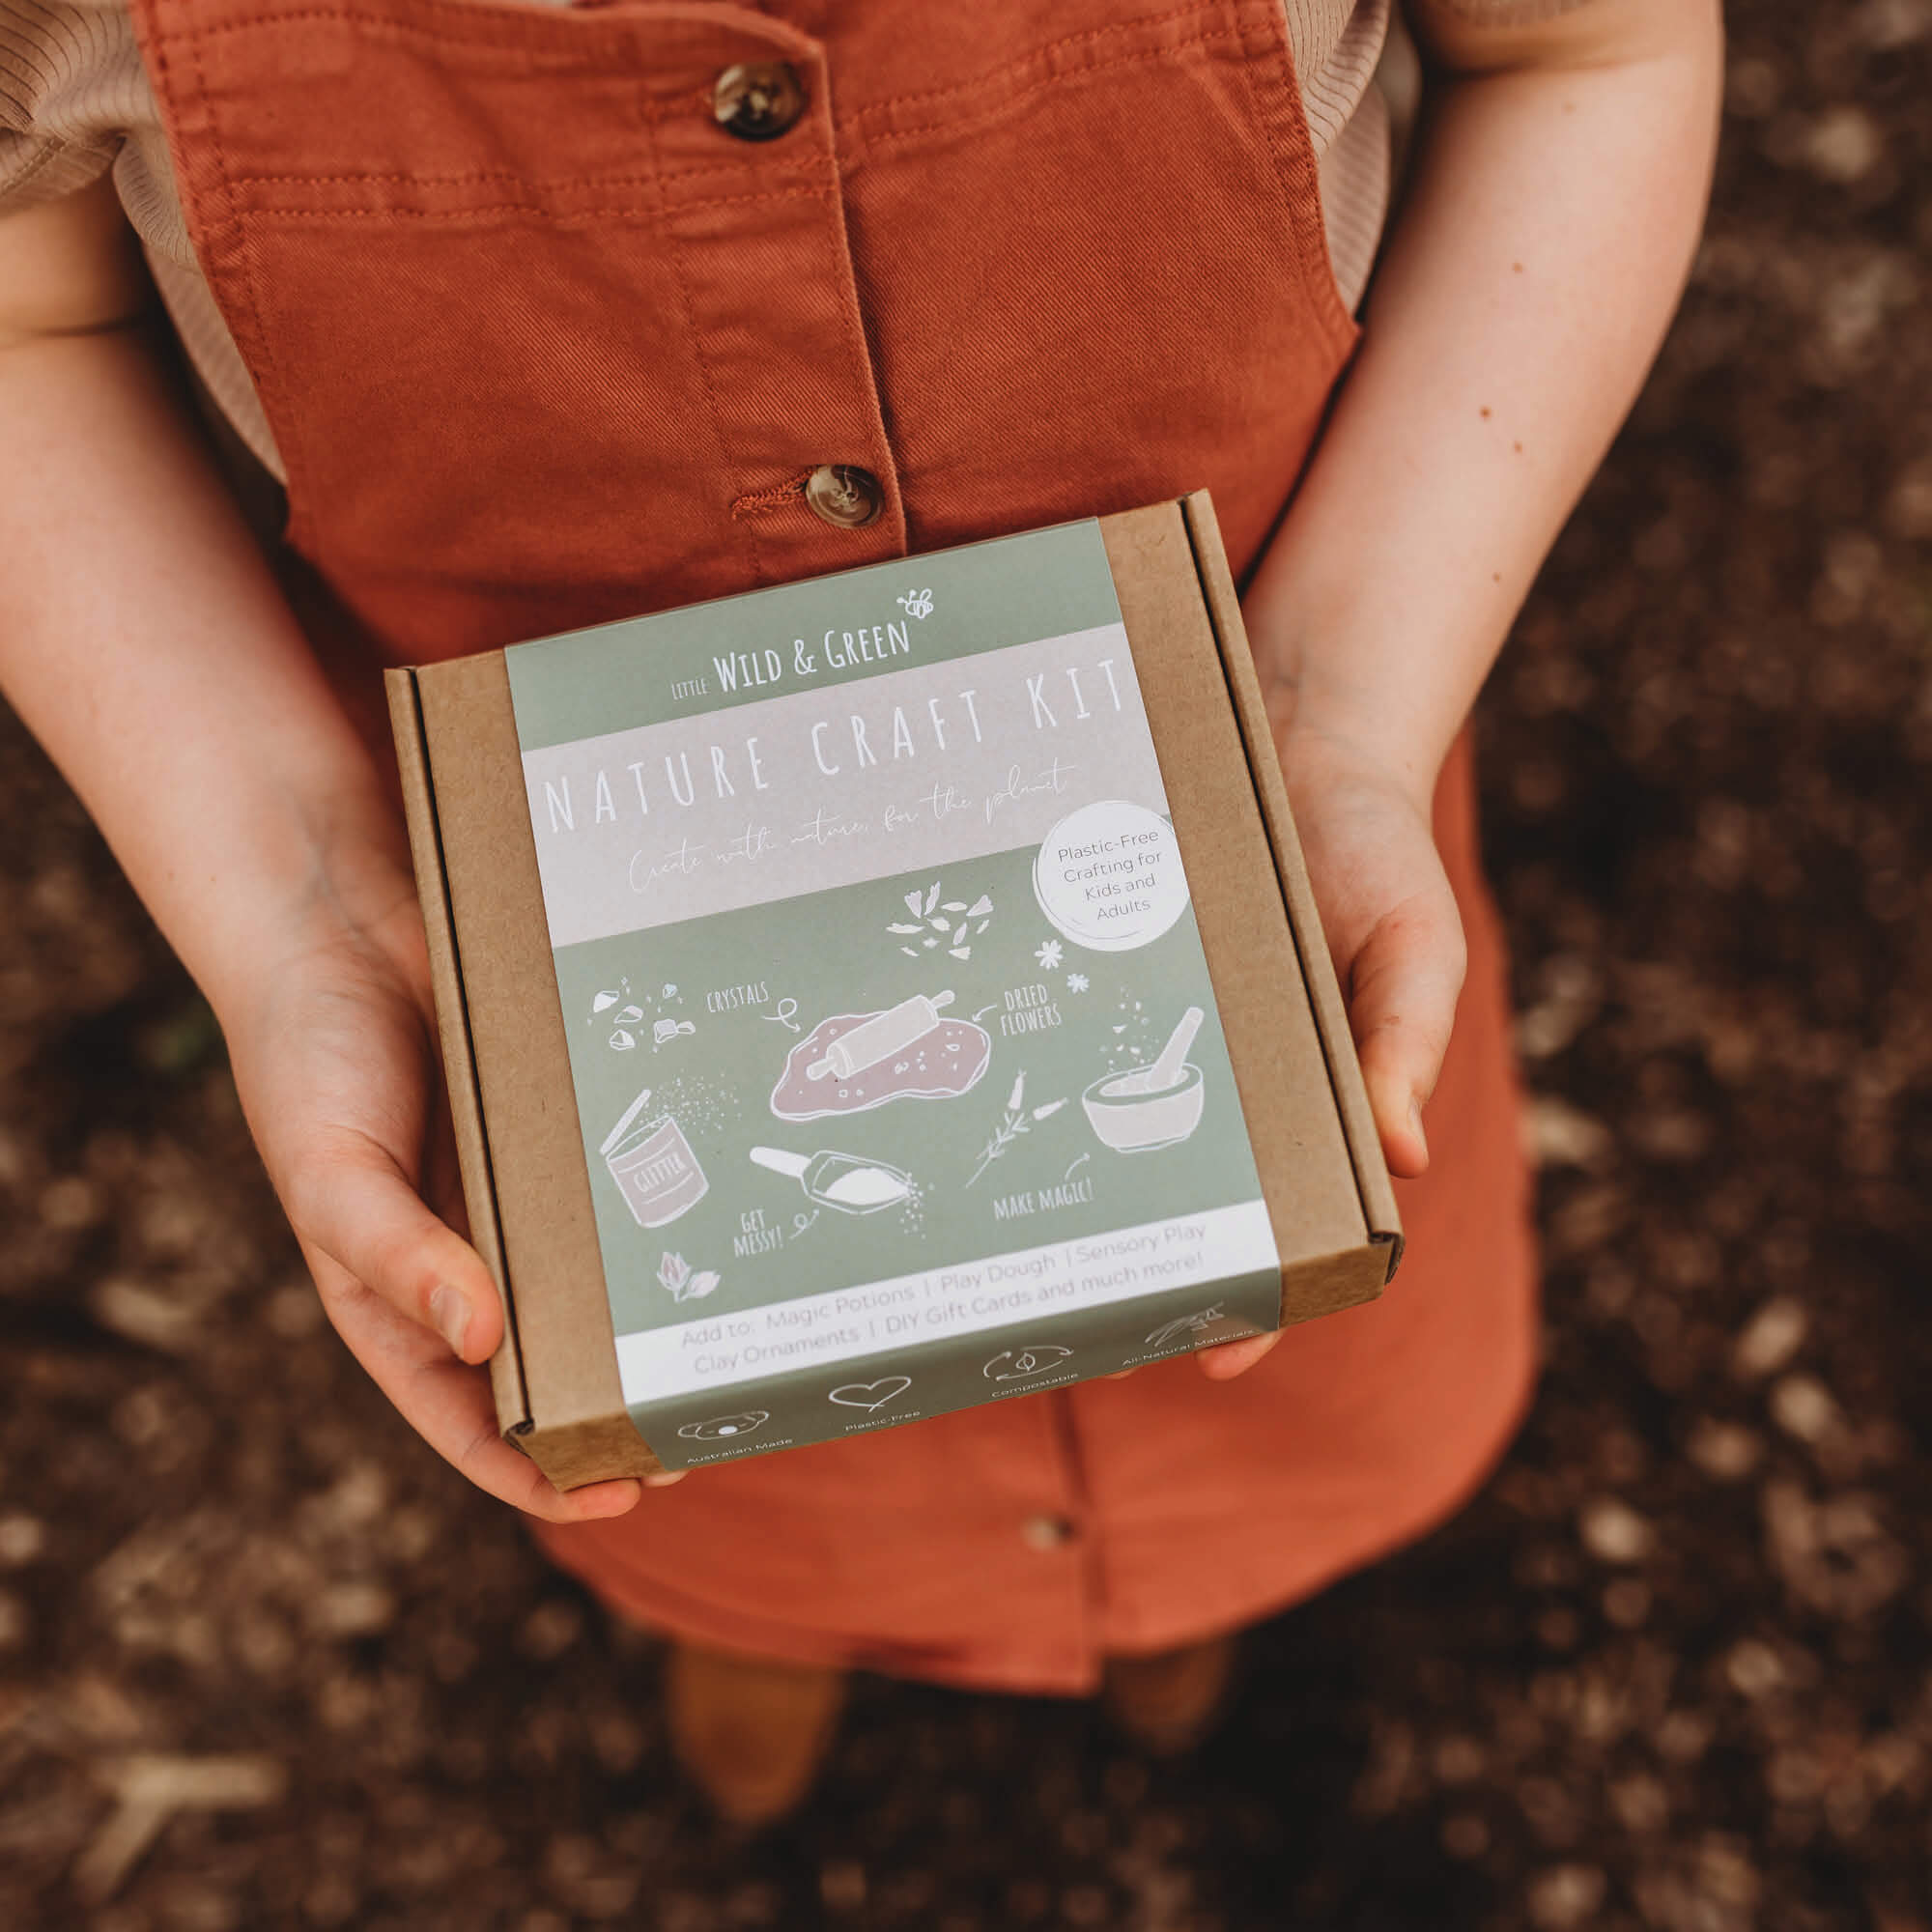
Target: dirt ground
[265,1663]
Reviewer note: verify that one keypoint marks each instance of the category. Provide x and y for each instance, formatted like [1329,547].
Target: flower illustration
[1047,952]
[1076,982]
[675,1274]
[952,924]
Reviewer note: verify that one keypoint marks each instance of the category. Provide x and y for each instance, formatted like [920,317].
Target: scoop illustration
[1150,1106]
[879,1038]
[843,1180]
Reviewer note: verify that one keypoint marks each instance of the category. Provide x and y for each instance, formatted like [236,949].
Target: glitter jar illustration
[653,1165]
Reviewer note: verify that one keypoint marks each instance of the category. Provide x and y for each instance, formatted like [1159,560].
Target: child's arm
[146,644]
[1556,201]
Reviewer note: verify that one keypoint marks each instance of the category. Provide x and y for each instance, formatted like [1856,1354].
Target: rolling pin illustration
[880,1038]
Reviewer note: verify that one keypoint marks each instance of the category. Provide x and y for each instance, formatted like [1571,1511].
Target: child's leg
[751,1732]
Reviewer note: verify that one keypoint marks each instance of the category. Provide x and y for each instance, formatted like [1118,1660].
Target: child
[546,315]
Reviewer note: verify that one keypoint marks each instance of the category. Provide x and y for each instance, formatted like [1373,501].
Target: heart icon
[872,1395]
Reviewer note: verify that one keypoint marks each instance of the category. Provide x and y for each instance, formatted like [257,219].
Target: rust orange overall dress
[552,310]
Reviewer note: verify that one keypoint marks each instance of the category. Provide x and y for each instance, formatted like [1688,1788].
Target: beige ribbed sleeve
[74,99]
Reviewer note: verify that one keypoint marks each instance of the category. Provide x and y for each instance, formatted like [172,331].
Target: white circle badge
[1109,876]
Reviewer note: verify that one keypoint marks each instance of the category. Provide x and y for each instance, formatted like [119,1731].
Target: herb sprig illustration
[1013,1122]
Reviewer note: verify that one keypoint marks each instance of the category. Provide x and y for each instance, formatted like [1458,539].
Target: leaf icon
[701,1285]
[901,926]
[954,905]
[982,904]
[914,903]
[931,900]
[959,953]
[940,923]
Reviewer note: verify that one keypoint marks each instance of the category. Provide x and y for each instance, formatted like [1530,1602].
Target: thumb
[353,1202]
[1401,989]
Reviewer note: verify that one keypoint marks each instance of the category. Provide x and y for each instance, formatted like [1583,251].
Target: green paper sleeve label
[894,1052]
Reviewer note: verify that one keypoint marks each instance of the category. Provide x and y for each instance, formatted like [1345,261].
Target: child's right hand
[147,647]
[333,1042]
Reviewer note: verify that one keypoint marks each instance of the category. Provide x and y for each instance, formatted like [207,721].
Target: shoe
[1169,1702]
[751,1732]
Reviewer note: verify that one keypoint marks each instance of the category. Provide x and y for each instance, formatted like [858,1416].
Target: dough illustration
[946,1058]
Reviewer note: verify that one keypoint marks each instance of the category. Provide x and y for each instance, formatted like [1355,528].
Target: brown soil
[1669,1671]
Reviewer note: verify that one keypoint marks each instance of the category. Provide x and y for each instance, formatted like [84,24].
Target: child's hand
[165,673]
[1393,934]
[1390,919]
[333,1052]
[1549,219]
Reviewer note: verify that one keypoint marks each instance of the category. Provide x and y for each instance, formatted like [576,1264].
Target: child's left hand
[1549,217]
[1393,934]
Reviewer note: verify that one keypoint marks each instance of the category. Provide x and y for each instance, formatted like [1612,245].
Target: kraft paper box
[873,996]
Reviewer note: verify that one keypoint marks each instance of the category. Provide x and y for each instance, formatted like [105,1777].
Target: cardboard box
[524,1130]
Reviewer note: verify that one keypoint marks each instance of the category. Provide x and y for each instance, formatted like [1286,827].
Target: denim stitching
[993,75]
[529,208]
[674,249]
[1007,103]
[291,445]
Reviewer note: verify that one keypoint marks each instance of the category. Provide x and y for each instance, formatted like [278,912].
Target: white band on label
[997,1291]
[1109,876]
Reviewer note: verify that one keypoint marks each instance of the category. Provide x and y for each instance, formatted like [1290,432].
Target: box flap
[452,1020]
[550,1254]
[1344,1072]
[1306,1164]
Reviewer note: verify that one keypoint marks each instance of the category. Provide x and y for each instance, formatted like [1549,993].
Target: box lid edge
[1382,1218]
[508,1388]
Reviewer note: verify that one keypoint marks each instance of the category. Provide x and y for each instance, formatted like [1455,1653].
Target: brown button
[1046,1532]
[843,495]
[758,101]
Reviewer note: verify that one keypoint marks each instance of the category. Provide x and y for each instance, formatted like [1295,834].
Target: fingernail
[612,1498]
[450,1313]
[663,1479]
[1416,1123]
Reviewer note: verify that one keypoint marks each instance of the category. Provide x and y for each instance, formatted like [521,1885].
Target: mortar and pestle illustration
[1152,1106]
